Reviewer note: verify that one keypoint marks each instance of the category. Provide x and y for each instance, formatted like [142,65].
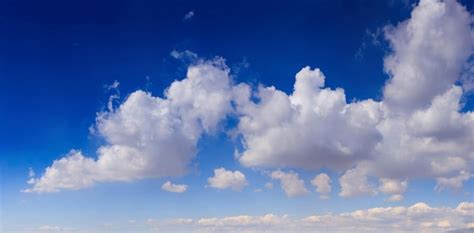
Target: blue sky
[382,115]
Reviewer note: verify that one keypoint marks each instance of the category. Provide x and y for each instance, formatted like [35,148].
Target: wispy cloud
[188,15]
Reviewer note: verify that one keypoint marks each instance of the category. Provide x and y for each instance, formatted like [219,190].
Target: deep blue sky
[56,57]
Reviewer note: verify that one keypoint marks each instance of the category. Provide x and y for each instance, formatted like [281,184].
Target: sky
[244,116]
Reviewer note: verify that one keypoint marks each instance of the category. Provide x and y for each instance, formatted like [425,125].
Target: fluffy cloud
[74,171]
[354,183]
[416,218]
[416,130]
[429,51]
[393,187]
[290,183]
[322,182]
[174,188]
[438,132]
[149,136]
[423,129]
[224,179]
[312,128]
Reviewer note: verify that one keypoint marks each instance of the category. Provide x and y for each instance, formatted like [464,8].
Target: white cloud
[73,171]
[185,55]
[290,183]
[322,182]
[429,51]
[393,187]
[455,182]
[355,183]
[175,188]
[224,179]
[395,198]
[431,142]
[424,132]
[31,173]
[416,130]
[242,220]
[416,218]
[312,128]
[268,185]
[114,85]
[50,229]
[149,136]
[188,15]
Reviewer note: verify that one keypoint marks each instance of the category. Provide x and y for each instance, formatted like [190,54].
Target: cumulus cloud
[312,128]
[354,183]
[393,187]
[419,217]
[290,183]
[74,171]
[224,179]
[322,182]
[148,136]
[174,188]
[429,51]
[416,130]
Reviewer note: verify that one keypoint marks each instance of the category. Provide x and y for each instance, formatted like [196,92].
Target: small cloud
[322,182]
[188,16]
[52,228]
[224,179]
[395,198]
[290,183]
[269,185]
[394,187]
[114,97]
[174,188]
[454,183]
[31,173]
[184,56]
[114,85]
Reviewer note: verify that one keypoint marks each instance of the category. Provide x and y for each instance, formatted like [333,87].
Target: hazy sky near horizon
[212,116]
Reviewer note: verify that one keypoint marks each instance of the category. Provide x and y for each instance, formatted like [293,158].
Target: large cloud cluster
[417,129]
[312,128]
[149,136]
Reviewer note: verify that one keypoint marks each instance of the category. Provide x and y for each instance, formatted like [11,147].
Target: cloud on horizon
[419,217]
